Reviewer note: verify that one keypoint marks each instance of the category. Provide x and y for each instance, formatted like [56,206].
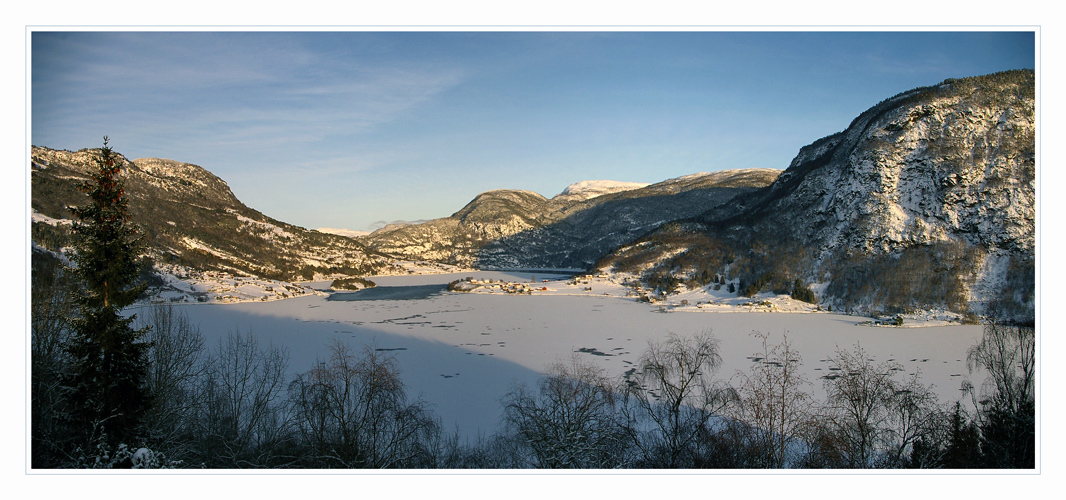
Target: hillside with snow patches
[926,201]
[509,229]
[200,238]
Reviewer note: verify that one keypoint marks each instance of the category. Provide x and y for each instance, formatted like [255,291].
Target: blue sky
[342,129]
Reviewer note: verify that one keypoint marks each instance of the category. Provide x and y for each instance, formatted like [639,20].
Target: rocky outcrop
[953,161]
[937,183]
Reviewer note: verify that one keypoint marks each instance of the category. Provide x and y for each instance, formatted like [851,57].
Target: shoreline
[220,288]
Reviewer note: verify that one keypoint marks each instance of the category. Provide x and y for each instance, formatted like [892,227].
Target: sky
[345,129]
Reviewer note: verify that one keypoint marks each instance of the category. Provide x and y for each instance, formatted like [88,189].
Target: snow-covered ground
[703,299]
[39,217]
[183,285]
[463,351]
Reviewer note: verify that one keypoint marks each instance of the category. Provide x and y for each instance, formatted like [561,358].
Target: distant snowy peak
[383,225]
[590,189]
[348,233]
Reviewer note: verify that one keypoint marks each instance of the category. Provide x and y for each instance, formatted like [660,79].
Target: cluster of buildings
[508,287]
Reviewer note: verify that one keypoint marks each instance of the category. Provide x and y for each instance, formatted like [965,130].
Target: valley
[898,222]
[925,203]
[649,262]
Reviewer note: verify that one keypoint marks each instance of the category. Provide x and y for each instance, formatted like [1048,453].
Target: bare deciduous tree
[570,421]
[672,397]
[859,398]
[774,402]
[353,412]
[1008,355]
[50,307]
[240,418]
[174,365]
[871,419]
[1007,415]
[914,415]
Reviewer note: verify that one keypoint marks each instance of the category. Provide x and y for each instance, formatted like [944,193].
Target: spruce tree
[1008,435]
[107,376]
[964,448]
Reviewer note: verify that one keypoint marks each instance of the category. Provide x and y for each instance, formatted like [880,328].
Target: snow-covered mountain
[925,200]
[191,219]
[522,229]
[585,190]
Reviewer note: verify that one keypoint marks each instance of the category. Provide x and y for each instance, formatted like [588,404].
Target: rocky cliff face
[522,229]
[191,218]
[933,185]
[954,161]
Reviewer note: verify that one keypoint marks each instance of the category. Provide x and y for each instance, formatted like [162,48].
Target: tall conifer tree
[107,379]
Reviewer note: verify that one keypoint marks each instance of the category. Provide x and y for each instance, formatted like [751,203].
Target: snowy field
[462,352]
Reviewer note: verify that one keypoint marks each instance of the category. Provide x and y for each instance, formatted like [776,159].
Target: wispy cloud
[227,86]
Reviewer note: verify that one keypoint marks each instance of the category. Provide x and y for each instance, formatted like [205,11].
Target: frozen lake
[463,352]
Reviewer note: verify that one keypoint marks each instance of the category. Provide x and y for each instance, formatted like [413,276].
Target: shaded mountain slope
[522,229]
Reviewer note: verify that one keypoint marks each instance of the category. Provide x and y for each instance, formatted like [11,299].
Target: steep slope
[925,200]
[191,218]
[522,229]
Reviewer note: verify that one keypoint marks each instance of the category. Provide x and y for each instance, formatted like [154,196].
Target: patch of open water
[412,292]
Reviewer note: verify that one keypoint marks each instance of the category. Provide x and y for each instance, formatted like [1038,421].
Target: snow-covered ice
[462,352]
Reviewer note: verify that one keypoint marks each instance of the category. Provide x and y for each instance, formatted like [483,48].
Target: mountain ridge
[522,229]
